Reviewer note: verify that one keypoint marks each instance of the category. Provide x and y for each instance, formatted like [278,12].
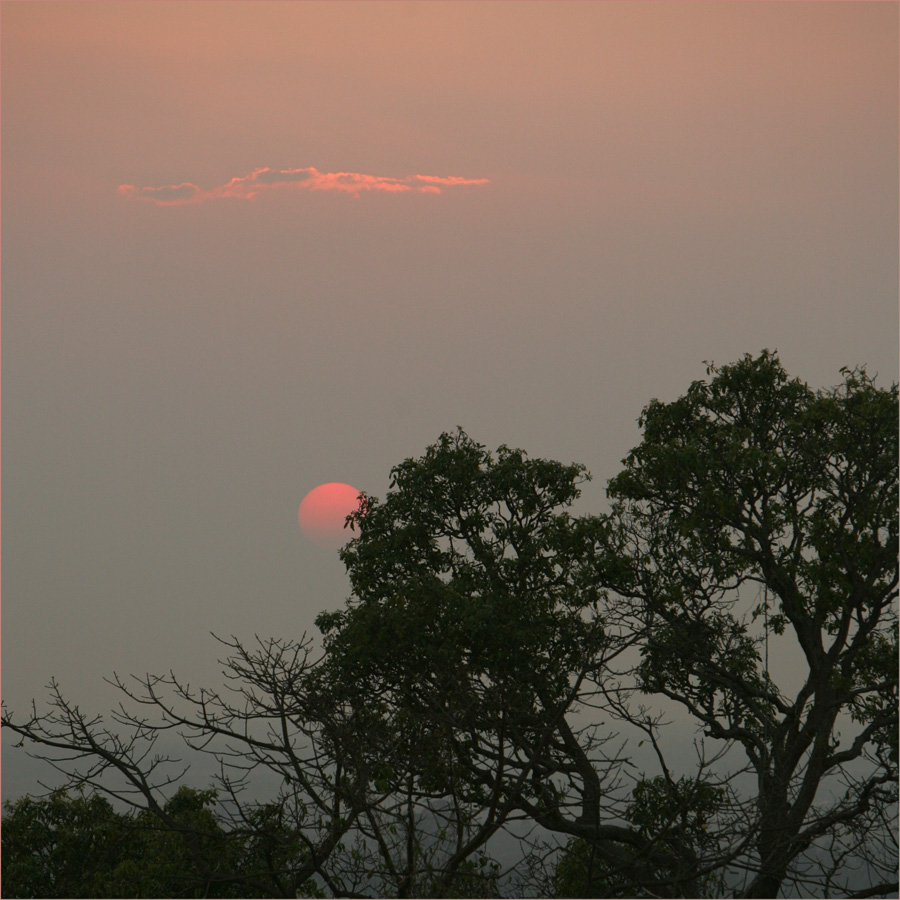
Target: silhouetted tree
[757,524]
[78,846]
[498,664]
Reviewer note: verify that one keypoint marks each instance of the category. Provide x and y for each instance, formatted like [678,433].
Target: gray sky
[665,184]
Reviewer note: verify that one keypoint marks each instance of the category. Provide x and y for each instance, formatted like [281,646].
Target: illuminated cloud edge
[249,186]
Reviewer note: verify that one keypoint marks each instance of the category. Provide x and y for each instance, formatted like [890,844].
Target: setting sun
[323,513]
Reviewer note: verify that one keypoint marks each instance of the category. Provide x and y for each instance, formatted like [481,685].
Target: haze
[641,187]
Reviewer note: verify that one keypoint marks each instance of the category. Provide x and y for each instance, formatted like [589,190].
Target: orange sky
[185,93]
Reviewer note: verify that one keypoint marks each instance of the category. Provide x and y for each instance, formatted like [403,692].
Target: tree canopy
[78,845]
[759,520]
[692,693]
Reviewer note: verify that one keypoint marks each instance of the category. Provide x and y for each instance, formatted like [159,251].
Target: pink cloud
[249,186]
[449,180]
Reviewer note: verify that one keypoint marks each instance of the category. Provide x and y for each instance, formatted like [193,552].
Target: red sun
[323,512]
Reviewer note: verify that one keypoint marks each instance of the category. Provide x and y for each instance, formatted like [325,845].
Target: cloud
[247,187]
[286,176]
[449,180]
[167,195]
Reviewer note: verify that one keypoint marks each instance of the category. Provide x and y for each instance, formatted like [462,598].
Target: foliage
[61,847]
[677,813]
[505,665]
[77,845]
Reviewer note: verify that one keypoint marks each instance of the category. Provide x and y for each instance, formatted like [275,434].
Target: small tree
[62,846]
[78,846]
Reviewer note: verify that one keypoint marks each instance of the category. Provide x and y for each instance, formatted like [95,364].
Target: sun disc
[324,511]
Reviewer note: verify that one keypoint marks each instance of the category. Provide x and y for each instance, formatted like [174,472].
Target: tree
[503,662]
[472,632]
[61,846]
[79,846]
[340,820]
[759,522]
[272,721]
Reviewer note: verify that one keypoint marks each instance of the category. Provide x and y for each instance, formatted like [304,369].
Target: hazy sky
[203,320]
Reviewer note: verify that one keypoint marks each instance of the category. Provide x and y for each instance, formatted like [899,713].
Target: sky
[252,247]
